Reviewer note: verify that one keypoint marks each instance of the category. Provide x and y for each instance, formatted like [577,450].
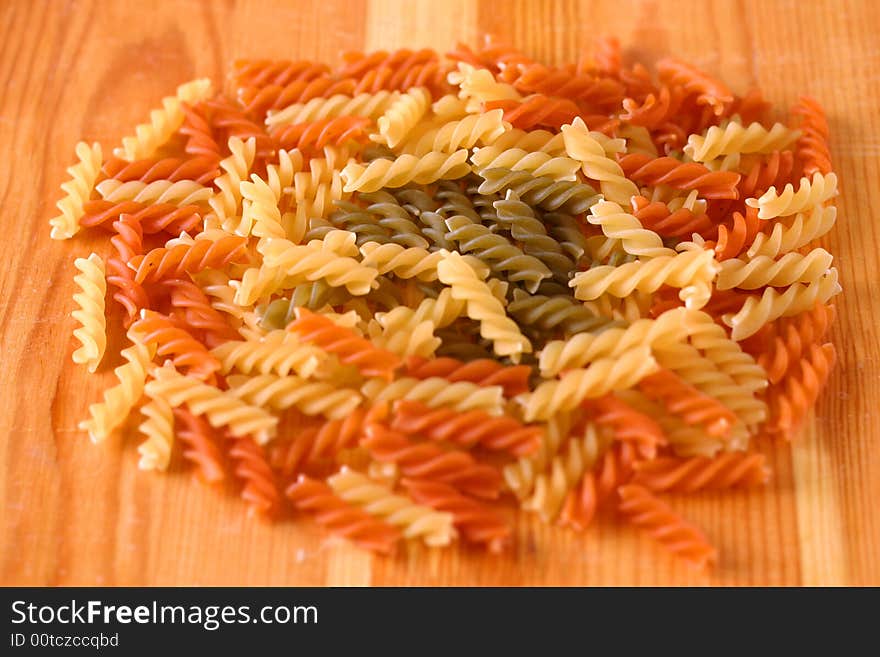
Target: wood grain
[73,513]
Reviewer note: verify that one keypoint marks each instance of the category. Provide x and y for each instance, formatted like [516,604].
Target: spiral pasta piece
[583,348]
[738,138]
[618,224]
[640,507]
[171,340]
[312,137]
[260,489]
[812,145]
[163,122]
[660,218]
[371,106]
[603,376]
[430,461]
[435,528]
[544,141]
[220,408]
[539,313]
[200,445]
[199,169]
[467,132]
[465,428]
[185,259]
[435,391]
[680,175]
[402,116]
[558,167]
[282,392]
[798,391]
[541,191]
[290,265]
[783,342]
[341,518]
[193,308]
[691,405]
[485,372]
[581,146]
[757,311]
[536,110]
[158,428]
[519,219]
[77,190]
[699,473]
[502,257]
[226,202]
[412,262]
[761,271]
[809,194]
[477,522]
[680,270]
[92,332]
[594,91]
[180,193]
[466,285]
[564,472]
[350,348]
[278,352]
[800,232]
[405,169]
[157,218]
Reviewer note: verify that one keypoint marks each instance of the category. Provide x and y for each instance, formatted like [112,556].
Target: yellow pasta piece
[77,190]
[603,376]
[583,147]
[424,169]
[809,194]
[283,392]
[734,137]
[435,528]
[163,123]
[466,285]
[221,409]
[90,314]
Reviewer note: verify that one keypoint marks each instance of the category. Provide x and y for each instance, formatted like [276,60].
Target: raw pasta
[402,291]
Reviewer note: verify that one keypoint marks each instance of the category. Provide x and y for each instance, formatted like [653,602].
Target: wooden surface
[73,513]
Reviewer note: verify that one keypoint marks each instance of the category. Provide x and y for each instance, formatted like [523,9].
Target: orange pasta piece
[341,518]
[201,446]
[699,473]
[653,516]
[482,371]
[477,522]
[465,428]
[430,461]
[680,175]
[684,400]
[351,348]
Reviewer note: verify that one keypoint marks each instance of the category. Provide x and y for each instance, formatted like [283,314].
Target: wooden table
[73,513]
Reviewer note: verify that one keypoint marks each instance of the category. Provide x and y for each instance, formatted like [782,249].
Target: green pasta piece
[565,230]
[519,219]
[502,257]
[539,314]
[543,191]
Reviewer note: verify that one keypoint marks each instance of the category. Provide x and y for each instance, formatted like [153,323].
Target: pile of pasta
[405,294]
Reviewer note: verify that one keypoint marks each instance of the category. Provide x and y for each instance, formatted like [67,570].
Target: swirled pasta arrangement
[405,294]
